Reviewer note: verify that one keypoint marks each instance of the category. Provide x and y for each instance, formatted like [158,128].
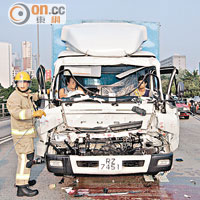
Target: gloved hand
[39,113]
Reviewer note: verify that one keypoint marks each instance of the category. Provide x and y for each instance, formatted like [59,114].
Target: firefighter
[21,108]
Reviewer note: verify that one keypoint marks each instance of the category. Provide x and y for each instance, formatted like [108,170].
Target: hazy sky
[179,19]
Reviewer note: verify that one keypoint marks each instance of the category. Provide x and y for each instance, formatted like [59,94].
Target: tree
[34,85]
[191,83]
[5,93]
[165,81]
[48,84]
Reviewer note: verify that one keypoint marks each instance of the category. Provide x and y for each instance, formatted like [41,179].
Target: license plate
[110,164]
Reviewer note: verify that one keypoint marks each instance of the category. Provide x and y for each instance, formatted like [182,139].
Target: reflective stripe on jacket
[20,107]
[25,132]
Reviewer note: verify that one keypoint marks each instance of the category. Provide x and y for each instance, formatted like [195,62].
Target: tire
[187,117]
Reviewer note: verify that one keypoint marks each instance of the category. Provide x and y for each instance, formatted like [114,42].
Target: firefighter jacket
[20,105]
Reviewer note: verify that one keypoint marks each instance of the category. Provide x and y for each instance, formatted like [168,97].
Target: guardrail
[3,110]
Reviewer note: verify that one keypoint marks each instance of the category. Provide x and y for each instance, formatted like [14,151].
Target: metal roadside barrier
[3,111]
[194,116]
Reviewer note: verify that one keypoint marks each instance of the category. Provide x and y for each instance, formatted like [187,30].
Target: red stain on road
[131,184]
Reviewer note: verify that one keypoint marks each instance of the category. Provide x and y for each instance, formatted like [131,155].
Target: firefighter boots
[24,190]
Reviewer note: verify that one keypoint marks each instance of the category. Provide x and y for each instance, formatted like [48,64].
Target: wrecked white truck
[107,130]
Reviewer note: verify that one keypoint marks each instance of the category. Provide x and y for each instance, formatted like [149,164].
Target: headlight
[164,162]
[56,163]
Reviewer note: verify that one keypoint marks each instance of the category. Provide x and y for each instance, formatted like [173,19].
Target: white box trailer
[108,130]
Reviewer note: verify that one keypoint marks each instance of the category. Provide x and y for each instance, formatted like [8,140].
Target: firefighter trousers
[25,151]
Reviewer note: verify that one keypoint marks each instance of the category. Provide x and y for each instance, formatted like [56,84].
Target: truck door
[170,118]
[169,83]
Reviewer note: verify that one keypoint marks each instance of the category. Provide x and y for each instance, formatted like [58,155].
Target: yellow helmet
[22,76]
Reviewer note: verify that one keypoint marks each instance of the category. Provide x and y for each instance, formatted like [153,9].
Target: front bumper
[147,164]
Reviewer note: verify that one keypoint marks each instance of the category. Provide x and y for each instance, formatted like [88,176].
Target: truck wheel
[187,117]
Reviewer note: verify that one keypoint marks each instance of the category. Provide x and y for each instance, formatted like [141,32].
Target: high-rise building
[34,62]
[14,57]
[16,65]
[26,55]
[179,61]
[16,60]
[15,70]
[5,64]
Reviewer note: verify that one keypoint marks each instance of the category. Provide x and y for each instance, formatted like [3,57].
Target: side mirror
[180,89]
[40,74]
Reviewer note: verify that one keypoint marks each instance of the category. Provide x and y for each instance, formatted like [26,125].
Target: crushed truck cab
[108,129]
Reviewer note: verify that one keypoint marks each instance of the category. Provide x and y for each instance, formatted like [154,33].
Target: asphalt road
[184,178]
[8,165]
[4,128]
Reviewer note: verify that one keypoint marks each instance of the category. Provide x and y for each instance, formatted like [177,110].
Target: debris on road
[67,189]
[162,177]
[107,194]
[148,178]
[105,190]
[52,186]
[192,181]
[83,191]
[72,192]
[187,196]
[179,159]
[112,194]
[78,195]
[77,181]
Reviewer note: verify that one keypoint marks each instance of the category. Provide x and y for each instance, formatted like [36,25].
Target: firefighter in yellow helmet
[21,108]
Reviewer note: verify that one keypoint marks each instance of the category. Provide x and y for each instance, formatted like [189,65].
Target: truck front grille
[133,163]
[87,163]
[125,163]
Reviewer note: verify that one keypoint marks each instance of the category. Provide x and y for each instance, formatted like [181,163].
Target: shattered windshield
[109,83]
[119,79]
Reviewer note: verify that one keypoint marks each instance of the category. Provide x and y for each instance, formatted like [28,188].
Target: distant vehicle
[183,109]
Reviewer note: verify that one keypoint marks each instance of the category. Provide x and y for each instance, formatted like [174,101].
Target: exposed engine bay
[121,139]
